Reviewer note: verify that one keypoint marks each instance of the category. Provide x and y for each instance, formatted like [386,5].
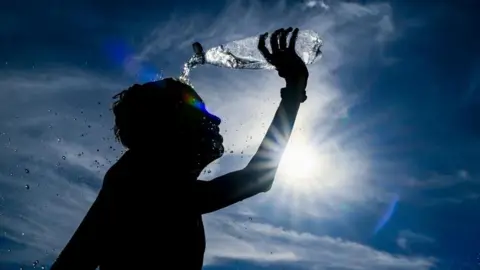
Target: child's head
[166,114]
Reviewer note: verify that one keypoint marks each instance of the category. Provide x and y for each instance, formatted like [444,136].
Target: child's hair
[137,109]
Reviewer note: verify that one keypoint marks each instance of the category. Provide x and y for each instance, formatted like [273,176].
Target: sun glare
[298,162]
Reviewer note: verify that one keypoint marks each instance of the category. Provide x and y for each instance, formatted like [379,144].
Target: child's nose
[215,120]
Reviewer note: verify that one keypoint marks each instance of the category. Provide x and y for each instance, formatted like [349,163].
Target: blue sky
[391,127]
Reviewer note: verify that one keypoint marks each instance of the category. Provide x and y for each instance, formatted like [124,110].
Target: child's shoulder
[117,171]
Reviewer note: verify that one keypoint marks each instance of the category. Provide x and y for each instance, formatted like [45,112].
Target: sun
[298,162]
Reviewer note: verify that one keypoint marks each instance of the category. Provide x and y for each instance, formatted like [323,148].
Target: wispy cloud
[263,243]
[440,181]
[51,129]
[407,238]
[315,4]
[454,188]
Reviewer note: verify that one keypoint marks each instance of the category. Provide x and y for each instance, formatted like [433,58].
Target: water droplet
[209,171]
[64,157]
[35,263]
[27,170]
[27,186]
[59,139]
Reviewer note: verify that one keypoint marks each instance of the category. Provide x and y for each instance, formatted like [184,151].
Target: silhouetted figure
[148,213]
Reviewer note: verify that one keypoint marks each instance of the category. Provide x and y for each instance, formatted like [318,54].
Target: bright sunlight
[298,163]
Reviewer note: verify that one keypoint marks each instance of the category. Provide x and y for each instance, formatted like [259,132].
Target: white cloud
[314,3]
[439,181]
[32,84]
[406,238]
[50,114]
[84,157]
[461,187]
[43,217]
[266,244]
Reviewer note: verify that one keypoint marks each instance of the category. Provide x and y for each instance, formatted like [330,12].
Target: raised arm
[260,172]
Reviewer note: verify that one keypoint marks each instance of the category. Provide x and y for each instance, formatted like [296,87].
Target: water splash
[188,66]
[197,59]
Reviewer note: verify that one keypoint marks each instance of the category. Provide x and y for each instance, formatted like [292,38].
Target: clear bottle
[244,53]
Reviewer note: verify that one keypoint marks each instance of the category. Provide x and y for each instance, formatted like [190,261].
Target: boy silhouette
[149,209]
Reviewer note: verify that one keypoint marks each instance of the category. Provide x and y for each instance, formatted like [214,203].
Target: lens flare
[123,56]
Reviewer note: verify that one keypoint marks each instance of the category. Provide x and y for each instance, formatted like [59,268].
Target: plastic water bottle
[244,53]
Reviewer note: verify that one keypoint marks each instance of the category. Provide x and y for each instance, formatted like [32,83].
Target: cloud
[53,156]
[408,238]
[248,240]
[433,182]
[458,199]
[439,189]
[41,218]
[314,4]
